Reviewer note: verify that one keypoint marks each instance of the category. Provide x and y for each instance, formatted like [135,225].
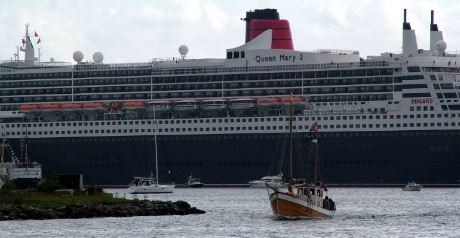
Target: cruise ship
[382,119]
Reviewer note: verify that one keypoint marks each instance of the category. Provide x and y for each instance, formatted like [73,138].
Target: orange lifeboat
[71,106]
[50,107]
[29,107]
[131,105]
[293,99]
[93,106]
[268,101]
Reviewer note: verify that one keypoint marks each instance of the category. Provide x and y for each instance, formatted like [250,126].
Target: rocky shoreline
[125,208]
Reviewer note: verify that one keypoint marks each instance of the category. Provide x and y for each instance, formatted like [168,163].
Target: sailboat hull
[152,189]
[294,207]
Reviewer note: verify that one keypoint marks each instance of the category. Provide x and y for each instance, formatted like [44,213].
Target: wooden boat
[305,200]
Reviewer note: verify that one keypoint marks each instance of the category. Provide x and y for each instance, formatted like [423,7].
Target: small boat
[147,185]
[241,103]
[214,104]
[304,200]
[159,105]
[273,181]
[412,186]
[194,182]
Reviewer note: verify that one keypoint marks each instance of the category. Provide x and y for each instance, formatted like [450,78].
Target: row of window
[233,128]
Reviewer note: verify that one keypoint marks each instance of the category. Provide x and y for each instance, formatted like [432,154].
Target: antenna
[432,17]
[405,14]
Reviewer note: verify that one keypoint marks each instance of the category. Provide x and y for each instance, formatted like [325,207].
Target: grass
[53,200]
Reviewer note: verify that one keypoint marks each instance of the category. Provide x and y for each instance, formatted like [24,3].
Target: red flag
[35,34]
[39,40]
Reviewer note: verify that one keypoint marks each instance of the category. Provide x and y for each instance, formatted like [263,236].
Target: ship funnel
[409,46]
[435,34]
[261,20]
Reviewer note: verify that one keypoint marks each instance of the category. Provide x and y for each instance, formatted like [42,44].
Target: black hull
[346,157]
[25,183]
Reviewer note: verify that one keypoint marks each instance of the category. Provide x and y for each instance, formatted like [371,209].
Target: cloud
[140,30]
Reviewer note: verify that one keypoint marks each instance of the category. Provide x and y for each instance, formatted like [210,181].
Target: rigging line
[282,154]
[274,159]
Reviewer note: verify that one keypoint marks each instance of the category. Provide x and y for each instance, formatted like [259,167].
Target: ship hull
[345,157]
[293,207]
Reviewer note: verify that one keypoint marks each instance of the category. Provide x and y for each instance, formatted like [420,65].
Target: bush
[48,185]
[7,187]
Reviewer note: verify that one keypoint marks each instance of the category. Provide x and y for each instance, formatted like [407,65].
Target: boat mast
[314,154]
[156,149]
[290,148]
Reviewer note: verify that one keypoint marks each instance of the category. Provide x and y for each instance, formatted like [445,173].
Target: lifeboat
[29,107]
[133,105]
[186,105]
[50,107]
[159,105]
[71,106]
[241,103]
[294,99]
[94,106]
[268,102]
[214,104]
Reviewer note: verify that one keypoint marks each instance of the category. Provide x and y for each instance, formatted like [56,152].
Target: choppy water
[242,212]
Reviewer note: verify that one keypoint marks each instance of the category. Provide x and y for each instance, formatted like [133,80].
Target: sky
[137,31]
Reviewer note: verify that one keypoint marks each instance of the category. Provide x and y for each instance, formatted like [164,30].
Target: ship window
[236,54]
[229,55]
[243,54]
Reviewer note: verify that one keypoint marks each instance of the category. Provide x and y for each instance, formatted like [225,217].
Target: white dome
[78,56]
[183,50]
[441,46]
[98,57]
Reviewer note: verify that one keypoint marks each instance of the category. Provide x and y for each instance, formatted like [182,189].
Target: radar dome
[183,50]
[98,57]
[441,46]
[78,56]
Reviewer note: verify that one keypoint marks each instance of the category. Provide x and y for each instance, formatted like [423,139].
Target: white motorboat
[273,181]
[412,186]
[194,182]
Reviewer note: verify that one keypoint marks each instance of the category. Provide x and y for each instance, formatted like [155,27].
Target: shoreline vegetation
[73,204]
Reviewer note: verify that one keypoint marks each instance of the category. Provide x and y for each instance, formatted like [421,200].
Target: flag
[39,40]
[35,34]
[23,41]
[314,127]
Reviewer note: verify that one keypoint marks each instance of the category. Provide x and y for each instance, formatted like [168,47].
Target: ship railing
[21,64]
[337,51]
[93,66]
[222,69]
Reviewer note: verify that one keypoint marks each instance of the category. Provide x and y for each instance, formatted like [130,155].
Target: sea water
[244,212]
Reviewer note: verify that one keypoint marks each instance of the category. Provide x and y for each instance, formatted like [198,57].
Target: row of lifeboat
[164,105]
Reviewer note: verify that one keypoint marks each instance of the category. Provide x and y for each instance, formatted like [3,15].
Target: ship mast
[156,145]
[290,148]
[314,155]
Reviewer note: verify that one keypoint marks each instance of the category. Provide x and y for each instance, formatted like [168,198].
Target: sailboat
[145,185]
[305,200]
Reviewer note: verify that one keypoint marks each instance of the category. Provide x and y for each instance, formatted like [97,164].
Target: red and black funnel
[260,20]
